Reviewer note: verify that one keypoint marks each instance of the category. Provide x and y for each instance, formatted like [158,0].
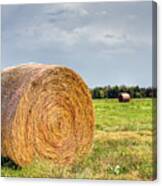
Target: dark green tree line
[113,91]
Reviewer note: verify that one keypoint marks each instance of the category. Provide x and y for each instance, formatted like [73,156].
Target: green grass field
[122,147]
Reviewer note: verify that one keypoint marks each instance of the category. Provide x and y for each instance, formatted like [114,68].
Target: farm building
[124,97]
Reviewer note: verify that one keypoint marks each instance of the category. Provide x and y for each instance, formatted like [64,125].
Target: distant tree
[105,90]
[137,95]
[113,92]
[131,91]
[101,93]
[123,88]
[149,92]
[143,92]
[96,93]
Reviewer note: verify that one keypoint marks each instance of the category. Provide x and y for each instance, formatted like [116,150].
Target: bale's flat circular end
[51,115]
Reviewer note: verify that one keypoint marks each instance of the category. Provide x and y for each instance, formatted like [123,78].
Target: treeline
[113,92]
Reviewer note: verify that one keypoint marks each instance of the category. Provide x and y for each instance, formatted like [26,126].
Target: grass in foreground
[122,147]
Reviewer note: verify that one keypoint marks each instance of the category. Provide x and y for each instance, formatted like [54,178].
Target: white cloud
[66,9]
[70,25]
[80,35]
[132,17]
[46,34]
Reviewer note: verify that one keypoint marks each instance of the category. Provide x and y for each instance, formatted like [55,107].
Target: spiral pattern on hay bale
[47,112]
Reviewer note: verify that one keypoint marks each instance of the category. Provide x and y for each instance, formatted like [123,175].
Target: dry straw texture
[47,112]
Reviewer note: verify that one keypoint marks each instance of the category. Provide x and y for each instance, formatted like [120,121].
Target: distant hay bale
[124,97]
[47,112]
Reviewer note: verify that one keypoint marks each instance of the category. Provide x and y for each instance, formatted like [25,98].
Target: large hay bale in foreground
[47,113]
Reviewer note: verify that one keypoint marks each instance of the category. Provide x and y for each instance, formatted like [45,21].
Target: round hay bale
[124,97]
[47,112]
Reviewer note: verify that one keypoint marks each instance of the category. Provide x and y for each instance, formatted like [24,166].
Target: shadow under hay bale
[7,162]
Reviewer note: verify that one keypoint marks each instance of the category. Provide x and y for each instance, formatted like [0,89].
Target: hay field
[122,147]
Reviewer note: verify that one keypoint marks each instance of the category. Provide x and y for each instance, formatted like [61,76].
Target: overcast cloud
[106,43]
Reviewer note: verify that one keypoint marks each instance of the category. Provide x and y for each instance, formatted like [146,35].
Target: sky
[107,43]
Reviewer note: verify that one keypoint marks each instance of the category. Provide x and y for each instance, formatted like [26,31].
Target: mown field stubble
[122,147]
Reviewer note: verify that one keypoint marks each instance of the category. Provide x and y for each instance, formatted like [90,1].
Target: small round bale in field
[47,112]
[124,97]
